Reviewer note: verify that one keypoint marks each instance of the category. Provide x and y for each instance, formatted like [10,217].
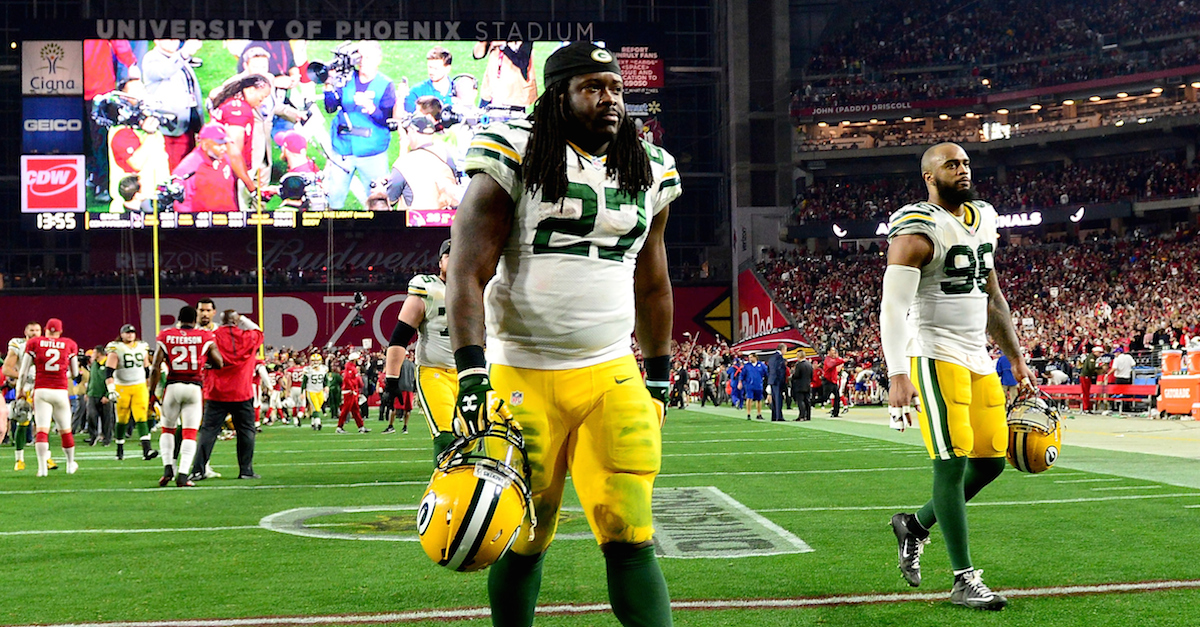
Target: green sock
[636,587]
[513,584]
[949,508]
[980,472]
[143,430]
[441,443]
[19,436]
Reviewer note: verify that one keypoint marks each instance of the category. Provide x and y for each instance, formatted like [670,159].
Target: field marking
[746,473]
[1191,507]
[1128,487]
[898,508]
[1091,480]
[338,486]
[38,532]
[566,609]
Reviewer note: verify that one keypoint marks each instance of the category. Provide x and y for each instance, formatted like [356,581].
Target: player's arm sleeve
[668,176]
[26,364]
[494,152]
[899,290]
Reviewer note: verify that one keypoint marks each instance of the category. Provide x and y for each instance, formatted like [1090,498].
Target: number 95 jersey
[949,316]
[562,296]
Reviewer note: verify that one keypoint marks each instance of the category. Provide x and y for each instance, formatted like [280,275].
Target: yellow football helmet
[478,499]
[315,358]
[1034,433]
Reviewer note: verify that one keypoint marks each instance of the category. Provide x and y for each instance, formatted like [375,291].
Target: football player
[941,274]
[125,376]
[183,352]
[315,388]
[295,380]
[54,361]
[565,216]
[424,315]
[22,409]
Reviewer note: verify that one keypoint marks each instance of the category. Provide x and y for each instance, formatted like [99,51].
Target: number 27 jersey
[562,296]
[948,319]
[186,352]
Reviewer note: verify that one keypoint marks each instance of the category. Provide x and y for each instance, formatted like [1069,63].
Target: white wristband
[899,291]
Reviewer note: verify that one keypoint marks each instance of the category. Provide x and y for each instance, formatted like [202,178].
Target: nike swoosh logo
[620,381]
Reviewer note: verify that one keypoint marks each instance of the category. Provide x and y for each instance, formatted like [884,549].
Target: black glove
[658,380]
[477,404]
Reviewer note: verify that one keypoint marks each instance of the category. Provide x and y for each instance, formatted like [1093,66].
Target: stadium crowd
[1011,44]
[1138,177]
[1133,292]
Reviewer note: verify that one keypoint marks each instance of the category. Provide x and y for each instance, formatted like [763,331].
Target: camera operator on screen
[361,100]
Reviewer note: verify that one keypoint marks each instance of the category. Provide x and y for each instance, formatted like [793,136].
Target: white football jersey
[131,362]
[562,296]
[433,336]
[948,319]
[316,377]
[17,345]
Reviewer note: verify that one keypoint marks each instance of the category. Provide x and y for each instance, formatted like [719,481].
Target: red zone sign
[52,183]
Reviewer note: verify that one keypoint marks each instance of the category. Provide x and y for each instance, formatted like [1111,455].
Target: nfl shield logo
[516,399]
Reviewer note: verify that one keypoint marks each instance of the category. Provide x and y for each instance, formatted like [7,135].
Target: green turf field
[108,545]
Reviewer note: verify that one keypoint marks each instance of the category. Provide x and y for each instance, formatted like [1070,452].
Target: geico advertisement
[51,183]
[52,68]
[52,124]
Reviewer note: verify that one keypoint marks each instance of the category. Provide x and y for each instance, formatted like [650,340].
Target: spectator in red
[100,77]
[229,391]
[832,367]
[208,181]
[352,384]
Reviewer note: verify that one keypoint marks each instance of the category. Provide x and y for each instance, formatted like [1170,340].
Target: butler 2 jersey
[52,359]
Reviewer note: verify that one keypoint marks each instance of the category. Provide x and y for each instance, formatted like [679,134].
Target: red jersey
[295,374]
[52,361]
[234,382]
[351,382]
[187,351]
[257,379]
[210,186]
[239,119]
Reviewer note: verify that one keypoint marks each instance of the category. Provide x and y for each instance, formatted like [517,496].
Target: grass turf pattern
[834,490]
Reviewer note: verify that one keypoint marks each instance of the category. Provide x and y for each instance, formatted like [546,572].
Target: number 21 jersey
[186,352]
[948,319]
[562,296]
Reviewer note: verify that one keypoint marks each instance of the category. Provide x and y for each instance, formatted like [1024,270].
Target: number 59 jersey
[948,319]
[562,296]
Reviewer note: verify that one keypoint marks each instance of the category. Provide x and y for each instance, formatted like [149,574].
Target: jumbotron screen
[209,133]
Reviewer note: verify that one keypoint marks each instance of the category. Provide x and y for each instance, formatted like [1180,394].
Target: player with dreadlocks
[565,216]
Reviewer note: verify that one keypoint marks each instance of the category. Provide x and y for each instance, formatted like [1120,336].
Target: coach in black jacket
[777,379]
[802,388]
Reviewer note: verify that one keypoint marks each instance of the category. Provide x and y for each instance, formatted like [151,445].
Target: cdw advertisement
[757,313]
[52,183]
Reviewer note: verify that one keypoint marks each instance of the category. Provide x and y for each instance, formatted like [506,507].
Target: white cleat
[72,468]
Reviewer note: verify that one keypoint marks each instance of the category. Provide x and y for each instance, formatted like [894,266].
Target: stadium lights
[908,118]
[1182,86]
[971,114]
[1119,123]
[822,124]
[1196,85]
[1002,111]
[874,121]
[986,82]
[1122,95]
[1067,103]
[13,45]
[1156,90]
[845,122]
[943,117]
[1094,99]
[1035,107]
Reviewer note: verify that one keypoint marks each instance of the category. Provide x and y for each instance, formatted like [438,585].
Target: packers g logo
[425,512]
[1051,455]
[600,55]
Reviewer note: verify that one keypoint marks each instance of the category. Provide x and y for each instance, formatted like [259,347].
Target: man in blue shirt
[754,375]
[734,375]
[359,131]
[439,85]
[1007,380]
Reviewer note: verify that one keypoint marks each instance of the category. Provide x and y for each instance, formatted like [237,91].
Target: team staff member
[125,377]
[777,379]
[941,282]
[208,179]
[232,390]
[802,375]
[184,351]
[53,360]
[831,370]
[754,375]
[351,385]
[437,379]
[563,297]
